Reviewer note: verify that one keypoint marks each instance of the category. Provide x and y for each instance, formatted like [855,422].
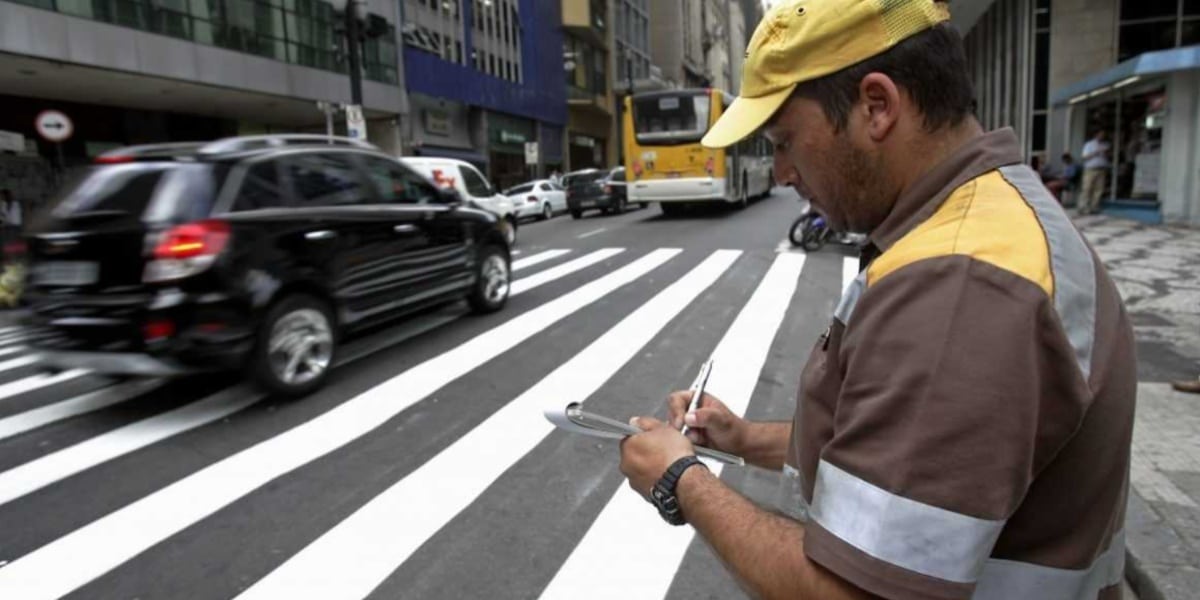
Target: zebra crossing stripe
[528,283]
[39,381]
[89,402]
[17,363]
[73,560]
[355,556]
[538,258]
[628,547]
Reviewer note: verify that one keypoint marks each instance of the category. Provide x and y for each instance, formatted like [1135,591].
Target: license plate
[588,203]
[66,273]
[673,175]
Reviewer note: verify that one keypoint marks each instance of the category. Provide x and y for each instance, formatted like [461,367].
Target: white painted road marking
[537,279]
[591,233]
[73,560]
[89,402]
[628,547]
[540,257]
[354,557]
[39,381]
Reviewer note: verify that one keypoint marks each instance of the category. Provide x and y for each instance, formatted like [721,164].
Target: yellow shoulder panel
[986,219]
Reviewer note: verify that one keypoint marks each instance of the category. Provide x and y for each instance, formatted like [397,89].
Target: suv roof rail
[252,142]
[172,150]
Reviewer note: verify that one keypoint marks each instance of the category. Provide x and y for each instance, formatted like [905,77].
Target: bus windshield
[671,120]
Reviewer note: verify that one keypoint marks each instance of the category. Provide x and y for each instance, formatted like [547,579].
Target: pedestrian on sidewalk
[963,426]
[1095,172]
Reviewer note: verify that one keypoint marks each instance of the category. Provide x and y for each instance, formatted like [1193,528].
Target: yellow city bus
[665,163]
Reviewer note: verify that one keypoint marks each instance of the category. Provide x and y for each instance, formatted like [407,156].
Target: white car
[541,198]
[470,183]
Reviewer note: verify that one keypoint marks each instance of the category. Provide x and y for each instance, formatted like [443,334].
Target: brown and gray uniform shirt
[963,429]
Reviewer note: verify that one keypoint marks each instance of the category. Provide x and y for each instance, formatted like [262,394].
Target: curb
[1139,580]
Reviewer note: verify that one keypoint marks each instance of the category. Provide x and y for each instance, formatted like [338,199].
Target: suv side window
[260,188]
[476,186]
[326,180]
[396,183]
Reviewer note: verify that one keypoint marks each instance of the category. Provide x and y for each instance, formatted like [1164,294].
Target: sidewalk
[1158,271]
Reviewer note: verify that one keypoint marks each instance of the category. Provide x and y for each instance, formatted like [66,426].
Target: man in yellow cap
[963,427]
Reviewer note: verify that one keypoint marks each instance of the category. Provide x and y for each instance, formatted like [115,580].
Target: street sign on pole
[531,153]
[356,125]
[53,126]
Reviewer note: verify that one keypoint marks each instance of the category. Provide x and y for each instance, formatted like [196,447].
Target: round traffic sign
[54,126]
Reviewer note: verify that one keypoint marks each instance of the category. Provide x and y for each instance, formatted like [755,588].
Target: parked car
[541,198]
[596,189]
[470,183]
[257,252]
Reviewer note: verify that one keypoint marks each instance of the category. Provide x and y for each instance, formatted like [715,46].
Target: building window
[1151,25]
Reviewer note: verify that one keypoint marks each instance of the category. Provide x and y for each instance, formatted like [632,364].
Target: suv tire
[493,280]
[296,346]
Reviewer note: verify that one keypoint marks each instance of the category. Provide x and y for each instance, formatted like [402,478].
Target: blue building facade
[485,77]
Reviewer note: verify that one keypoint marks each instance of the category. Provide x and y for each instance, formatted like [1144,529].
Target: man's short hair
[931,66]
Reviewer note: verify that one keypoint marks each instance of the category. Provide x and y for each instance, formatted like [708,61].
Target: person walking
[963,426]
[1095,172]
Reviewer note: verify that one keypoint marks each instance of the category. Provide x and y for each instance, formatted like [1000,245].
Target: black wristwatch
[662,495]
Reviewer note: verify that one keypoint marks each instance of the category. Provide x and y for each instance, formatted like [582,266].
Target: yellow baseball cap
[802,40]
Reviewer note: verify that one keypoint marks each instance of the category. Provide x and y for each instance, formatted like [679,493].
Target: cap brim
[743,117]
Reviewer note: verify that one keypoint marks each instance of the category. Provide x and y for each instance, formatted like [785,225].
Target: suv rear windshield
[583,179]
[153,191]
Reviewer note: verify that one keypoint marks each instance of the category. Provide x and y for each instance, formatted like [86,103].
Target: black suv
[595,188]
[253,252]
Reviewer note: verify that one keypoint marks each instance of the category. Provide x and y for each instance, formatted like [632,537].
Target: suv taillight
[187,249]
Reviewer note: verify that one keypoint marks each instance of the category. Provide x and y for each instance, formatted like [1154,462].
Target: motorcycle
[811,232]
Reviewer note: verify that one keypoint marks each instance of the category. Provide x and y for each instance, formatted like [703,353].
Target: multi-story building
[677,45]
[137,71]
[484,80]
[587,44]
[1058,72]
[714,39]
[739,36]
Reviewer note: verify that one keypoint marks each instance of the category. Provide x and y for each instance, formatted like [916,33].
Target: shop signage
[510,137]
[11,141]
[585,141]
[437,122]
[531,153]
[356,125]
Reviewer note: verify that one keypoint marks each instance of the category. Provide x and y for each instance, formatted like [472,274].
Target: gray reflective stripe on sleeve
[1070,261]
[919,537]
[1004,579]
[850,297]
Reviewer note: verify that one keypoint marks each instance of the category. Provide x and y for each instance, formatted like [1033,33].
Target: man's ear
[879,99]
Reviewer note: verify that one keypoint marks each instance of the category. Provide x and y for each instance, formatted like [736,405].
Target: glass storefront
[295,31]
[1134,120]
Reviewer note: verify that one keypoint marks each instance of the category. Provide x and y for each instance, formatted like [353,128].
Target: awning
[471,156]
[1143,65]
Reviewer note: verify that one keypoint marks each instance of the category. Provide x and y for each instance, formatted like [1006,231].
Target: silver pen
[697,388]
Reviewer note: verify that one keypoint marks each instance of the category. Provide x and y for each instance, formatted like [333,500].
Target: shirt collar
[920,200]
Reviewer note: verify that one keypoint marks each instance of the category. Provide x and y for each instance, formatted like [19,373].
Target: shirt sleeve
[958,386]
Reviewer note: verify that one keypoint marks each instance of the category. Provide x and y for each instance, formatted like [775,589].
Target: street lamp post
[354,34]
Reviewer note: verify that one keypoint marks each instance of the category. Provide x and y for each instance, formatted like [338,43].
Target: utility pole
[353,39]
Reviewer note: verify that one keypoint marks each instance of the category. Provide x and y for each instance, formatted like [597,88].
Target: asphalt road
[426,468]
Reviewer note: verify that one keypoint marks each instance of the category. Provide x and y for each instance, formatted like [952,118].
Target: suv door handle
[323,234]
[405,228]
